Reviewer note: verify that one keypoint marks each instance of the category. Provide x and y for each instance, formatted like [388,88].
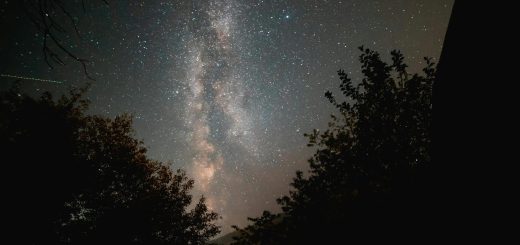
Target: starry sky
[224,89]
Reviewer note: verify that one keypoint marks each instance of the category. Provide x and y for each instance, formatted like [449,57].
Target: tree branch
[44,14]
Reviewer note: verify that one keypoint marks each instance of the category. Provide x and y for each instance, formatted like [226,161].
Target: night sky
[224,89]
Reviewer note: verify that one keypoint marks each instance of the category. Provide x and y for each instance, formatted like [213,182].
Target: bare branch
[43,14]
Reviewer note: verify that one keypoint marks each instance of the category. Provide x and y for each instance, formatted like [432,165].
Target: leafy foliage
[81,179]
[369,166]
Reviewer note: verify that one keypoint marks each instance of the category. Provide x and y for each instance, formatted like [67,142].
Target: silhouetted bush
[368,177]
[79,179]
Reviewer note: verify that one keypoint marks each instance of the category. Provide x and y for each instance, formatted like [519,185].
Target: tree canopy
[74,178]
[369,174]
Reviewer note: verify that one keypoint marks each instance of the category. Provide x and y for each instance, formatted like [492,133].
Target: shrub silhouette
[81,179]
[369,176]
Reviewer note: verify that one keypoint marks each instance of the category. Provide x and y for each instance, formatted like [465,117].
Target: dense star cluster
[224,88]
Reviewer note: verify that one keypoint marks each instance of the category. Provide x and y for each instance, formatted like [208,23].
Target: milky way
[224,89]
[216,89]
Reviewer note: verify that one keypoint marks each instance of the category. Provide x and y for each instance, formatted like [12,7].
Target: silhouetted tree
[368,177]
[79,179]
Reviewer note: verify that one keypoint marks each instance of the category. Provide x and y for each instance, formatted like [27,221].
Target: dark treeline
[71,178]
[369,178]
